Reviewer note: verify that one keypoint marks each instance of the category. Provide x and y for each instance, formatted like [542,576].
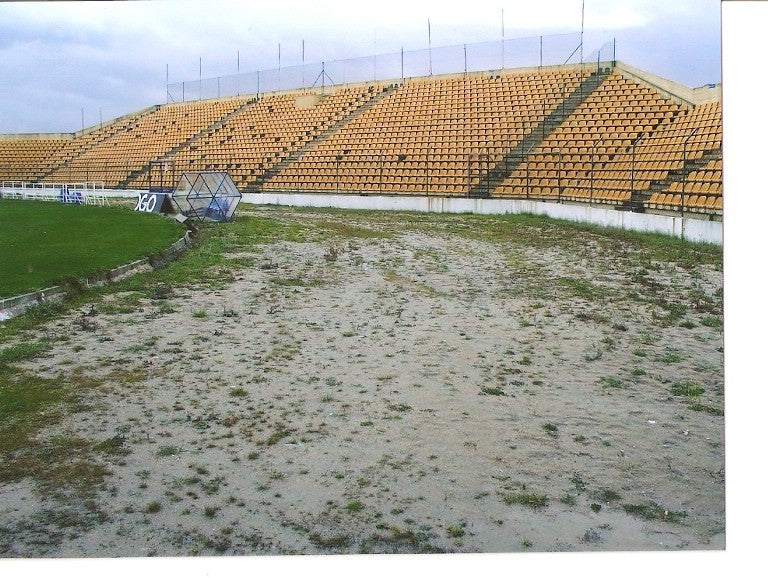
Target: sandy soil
[421,393]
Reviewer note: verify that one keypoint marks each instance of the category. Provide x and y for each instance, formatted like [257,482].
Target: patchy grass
[529,499]
[492,391]
[551,429]
[276,437]
[653,511]
[265,421]
[686,388]
[297,282]
[22,351]
[612,382]
[576,287]
[455,531]
[354,506]
[29,403]
[114,446]
[333,542]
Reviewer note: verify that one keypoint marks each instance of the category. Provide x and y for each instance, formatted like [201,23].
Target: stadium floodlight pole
[581,54]
[238,73]
[581,44]
[200,81]
[429,36]
[541,51]
[502,38]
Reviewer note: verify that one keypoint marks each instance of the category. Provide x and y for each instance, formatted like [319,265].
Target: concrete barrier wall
[696,230]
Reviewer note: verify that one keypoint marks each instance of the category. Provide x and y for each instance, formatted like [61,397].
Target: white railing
[88,193]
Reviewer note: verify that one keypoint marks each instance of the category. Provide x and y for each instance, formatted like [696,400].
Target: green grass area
[45,243]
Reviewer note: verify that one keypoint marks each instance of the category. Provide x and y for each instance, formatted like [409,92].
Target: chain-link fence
[533,51]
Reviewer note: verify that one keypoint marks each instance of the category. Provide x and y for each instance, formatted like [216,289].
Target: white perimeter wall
[696,230]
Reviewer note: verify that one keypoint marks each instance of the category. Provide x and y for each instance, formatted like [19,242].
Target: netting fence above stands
[207,196]
[549,50]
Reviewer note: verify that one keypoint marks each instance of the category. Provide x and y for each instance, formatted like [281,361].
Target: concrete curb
[13,306]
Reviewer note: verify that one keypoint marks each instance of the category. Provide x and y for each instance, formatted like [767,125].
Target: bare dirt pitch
[388,383]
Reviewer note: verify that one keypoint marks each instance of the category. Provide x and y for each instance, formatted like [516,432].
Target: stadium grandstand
[597,133]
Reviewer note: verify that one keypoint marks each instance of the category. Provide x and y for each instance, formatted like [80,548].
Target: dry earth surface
[398,386]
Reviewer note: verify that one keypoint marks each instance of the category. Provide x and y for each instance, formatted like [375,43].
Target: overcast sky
[63,64]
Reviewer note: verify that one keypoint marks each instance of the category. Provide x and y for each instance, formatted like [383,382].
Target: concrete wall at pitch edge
[696,230]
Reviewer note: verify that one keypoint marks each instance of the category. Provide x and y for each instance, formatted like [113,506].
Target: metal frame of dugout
[207,196]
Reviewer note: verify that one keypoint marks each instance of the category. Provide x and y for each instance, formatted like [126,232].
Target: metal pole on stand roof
[502,38]
[581,45]
[581,53]
[429,35]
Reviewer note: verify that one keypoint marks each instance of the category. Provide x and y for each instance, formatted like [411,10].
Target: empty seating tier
[267,131]
[25,159]
[421,138]
[121,157]
[558,133]
[567,163]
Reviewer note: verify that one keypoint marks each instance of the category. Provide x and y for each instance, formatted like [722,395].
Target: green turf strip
[43,243]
